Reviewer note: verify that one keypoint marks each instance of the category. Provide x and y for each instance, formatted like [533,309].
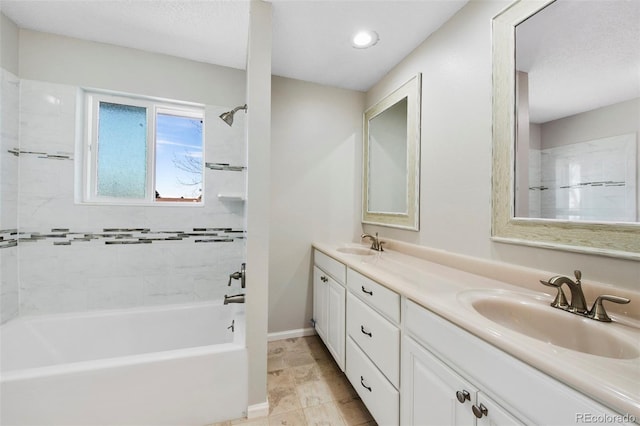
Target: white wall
[455,199]
[316,160]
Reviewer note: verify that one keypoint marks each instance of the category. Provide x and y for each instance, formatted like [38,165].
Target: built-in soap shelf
[224,166]
[231,196]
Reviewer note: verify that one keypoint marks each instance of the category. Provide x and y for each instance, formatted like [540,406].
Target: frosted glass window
[178,158]
[122,151]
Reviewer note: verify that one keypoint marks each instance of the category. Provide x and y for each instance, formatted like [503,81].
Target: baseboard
[290,334]
[258,410]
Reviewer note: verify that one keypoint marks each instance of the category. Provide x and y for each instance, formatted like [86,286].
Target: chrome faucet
[376,244]
[236,298]
[578,304]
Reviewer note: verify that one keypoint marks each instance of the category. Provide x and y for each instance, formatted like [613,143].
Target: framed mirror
[566,119]
[391,159]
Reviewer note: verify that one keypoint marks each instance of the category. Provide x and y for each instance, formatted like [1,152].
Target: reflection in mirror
[391,163]
[578,112]
[388,160]
[566,118]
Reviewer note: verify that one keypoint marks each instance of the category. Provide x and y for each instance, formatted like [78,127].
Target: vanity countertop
[441,289]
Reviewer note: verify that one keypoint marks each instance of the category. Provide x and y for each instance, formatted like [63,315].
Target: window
[143,151]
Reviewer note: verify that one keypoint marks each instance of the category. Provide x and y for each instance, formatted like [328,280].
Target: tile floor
[306,388]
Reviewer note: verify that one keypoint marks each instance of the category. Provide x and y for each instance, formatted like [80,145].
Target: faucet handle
[578,274]
[598,312]
[560,300]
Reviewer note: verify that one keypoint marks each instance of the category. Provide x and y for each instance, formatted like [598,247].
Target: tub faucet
[376,244]
[236,298]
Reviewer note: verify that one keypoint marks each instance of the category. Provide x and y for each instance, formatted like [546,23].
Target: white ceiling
[311,39]
[580,55]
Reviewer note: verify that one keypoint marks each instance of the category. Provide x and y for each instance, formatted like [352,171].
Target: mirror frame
[621,240]
[412,90]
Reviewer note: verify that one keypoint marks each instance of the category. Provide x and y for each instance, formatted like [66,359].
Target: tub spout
[236,298]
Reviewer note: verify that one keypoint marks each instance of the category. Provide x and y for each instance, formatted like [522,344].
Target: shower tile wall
[8,196]
[75,257]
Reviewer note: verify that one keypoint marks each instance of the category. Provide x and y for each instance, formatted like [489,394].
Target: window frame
[153,106]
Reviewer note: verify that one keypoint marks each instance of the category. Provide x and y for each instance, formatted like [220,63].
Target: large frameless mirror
[391,163]
[566,121]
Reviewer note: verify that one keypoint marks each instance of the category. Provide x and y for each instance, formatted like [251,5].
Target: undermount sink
[533,317]
[360,251]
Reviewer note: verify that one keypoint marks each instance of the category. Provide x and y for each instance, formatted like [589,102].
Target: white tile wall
[90,275]
[9,123]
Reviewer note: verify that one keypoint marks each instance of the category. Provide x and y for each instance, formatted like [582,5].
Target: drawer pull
[363,385]
[369,292]
[324,279]
[368,333]
[479,411]
[463,396]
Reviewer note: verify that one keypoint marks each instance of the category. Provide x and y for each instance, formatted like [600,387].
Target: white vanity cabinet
[329,294]
[439,360]
[373,346]
[433,394]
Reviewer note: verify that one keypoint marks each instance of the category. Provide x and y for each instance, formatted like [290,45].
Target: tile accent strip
[57,156]
[119,236]
[224,166]
[8,238]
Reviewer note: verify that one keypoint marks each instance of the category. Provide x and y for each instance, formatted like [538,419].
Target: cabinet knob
[324,279]
[463,396]
[363,385]
[479,411]
[369,292]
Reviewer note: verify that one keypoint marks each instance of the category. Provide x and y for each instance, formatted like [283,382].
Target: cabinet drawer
[378,338]
[381,298]
[380,397]
[331,266]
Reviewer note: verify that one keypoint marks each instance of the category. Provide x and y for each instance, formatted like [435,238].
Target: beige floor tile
[324,415]
[314,392]
[276,362]
[291,418]
[260,421]
[340,388]
[283,399]
[280,378]
[305,373]
[354,412]
[296,359]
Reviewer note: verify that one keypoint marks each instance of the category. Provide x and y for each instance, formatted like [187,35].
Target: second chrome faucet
[578,304]
[376,244]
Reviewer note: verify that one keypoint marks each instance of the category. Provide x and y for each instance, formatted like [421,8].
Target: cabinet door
[320,316]
[429,390]
[336,295]
[494,415]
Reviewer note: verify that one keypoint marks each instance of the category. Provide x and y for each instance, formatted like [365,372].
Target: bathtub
[169,365]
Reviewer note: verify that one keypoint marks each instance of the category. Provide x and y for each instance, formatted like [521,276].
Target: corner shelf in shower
[231,196]
[224,166]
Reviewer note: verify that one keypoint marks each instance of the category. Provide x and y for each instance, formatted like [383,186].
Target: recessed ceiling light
[364,39]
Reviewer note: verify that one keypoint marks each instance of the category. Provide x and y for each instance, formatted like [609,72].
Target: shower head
[227,117]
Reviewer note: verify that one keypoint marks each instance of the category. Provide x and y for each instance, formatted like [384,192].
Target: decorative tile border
[224,166]
[120,236]
[8,238]
[57,156]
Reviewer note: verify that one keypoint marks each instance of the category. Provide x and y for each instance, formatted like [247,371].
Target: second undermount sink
[534,318]
[360,251]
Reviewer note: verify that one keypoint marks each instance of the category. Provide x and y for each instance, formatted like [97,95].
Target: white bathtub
[168,365]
